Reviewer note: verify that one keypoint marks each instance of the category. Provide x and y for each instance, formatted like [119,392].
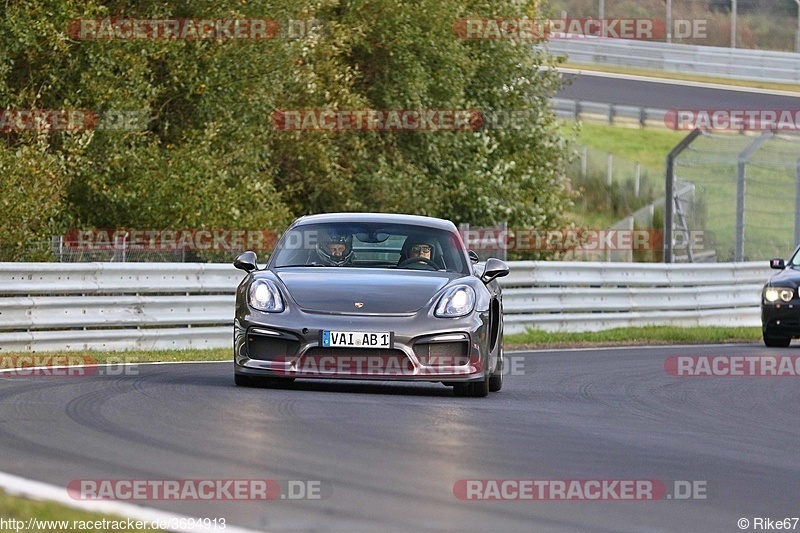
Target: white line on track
[646,347]
[36,490]
[685,83]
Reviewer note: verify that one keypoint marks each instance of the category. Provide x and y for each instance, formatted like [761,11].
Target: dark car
[780,303]
[371,296]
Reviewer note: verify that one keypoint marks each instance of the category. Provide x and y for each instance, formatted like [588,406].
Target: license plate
[357,339]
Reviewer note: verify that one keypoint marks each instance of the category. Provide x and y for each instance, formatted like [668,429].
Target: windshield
[371,245]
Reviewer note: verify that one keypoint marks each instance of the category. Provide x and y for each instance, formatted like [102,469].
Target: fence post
[638,177]
[57,246]
[669,199]
[609,167]
[744,157]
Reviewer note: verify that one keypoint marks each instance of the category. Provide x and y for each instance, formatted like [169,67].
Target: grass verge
[648,146]
[647,335]
[133,356]
[56,517]
[789,87]
[533,338]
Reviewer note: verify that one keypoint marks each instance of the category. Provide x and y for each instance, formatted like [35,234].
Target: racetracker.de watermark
[71,365]
[733,119]
[167,240]
[365,366]
[732,366]
[579,489]
[527,29]
[377,120]
[198,489]
[526,239]
[71,120]
[191,29]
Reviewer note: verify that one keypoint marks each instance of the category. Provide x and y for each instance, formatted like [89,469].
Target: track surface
[388,455]
[595,88]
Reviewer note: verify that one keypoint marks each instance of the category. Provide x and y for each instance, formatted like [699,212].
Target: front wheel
[496,379]
[475,389]
[776,341]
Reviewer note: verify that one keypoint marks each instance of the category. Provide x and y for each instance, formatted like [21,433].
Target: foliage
[203,153]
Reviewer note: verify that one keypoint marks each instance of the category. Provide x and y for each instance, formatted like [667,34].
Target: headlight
[773,294]
[457,301]
[264,296]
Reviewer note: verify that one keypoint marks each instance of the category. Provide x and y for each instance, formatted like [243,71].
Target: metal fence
[746,201]
[731,63]
[114,306]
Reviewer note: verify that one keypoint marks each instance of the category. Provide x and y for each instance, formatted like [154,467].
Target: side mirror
[777,263]
[473,256]
[495,268]
[247,261]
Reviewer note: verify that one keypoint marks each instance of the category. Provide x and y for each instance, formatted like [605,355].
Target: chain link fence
[746,201]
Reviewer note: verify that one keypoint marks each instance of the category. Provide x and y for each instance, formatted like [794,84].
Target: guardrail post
[744,157]
[669,200]
[643,116]
[612,111]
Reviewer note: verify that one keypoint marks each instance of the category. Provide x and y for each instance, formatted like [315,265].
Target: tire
[496,382]
[474,389]
[480,389]
[242,380]
[774,341]
[496,379]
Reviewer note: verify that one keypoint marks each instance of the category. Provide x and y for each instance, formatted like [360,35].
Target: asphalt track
[603,88]
[388,455]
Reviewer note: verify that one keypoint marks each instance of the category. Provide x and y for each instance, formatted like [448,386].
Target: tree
[202,151]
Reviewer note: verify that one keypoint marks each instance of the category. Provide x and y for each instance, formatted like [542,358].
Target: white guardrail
[609,113]
[734,63]
[128,306]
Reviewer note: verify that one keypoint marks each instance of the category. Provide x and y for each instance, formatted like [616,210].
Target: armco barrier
[734,63]
[124,306]
[116,306]
[576,296]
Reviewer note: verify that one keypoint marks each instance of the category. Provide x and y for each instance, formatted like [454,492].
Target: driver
[336,249]
[422,249]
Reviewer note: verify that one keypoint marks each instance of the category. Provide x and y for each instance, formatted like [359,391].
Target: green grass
[132,356]
[636,336]
[663,334]
[648,146]
[19,508]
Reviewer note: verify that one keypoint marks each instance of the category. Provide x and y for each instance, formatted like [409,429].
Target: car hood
[789,277]
[380,291]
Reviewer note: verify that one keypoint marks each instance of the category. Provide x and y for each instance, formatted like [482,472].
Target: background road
[615,90]
[388,455]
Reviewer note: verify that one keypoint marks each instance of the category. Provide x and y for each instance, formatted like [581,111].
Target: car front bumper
[782,319]
[425,348]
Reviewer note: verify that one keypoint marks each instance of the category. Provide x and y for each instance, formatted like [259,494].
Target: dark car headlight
[457,301]
[773,294]
[265,296]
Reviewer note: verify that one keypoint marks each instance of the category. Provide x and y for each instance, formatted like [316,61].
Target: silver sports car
[371,296]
